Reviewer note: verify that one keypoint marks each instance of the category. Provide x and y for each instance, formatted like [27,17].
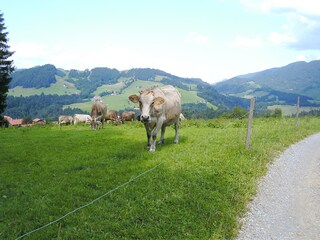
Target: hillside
[280,85]
[112,85]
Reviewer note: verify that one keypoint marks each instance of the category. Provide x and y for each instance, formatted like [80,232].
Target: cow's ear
[134,98]
[159,101]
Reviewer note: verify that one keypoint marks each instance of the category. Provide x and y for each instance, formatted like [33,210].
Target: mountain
[277,85]
[74,89]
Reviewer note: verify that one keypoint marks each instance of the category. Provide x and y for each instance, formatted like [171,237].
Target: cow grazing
[127,116]
[98,114]
[82,118]
[112,116]
[63,119]
[160,107]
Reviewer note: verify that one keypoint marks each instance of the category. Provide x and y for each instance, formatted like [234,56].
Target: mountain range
[276,86]
[113,86]
[280,85]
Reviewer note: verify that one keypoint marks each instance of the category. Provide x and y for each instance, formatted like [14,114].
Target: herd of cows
[159,107]
[111,115]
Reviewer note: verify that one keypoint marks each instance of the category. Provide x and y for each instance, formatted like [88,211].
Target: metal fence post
[298,110]
[250,123]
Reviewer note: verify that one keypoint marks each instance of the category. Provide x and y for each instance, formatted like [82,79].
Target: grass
[61,87]
[198,192]
[289,110]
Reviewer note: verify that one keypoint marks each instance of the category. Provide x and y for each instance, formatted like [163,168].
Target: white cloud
[246,42]
[197,38]
[31,50]
[303,21]
[307,57]
[305,7]
[28,54]
[280,38]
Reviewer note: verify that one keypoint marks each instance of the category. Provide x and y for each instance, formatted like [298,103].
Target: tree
[237,112]
[6,65]
[278,113]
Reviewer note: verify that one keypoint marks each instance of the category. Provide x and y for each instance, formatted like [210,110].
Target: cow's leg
[163,130]
[177,125]
[102,122]
[148,131]
[155,135]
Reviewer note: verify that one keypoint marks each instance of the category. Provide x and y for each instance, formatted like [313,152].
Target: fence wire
[90,203]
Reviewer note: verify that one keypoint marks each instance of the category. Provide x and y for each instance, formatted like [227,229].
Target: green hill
[111,85]
[299,78]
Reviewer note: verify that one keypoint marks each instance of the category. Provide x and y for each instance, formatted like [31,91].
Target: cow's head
[94,123]
[148,103]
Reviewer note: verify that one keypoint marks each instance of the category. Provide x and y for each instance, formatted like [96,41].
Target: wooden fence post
[298,110]
[250,123]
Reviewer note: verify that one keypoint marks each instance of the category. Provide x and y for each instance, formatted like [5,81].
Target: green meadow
[61,87]
[197,189]
[121,101]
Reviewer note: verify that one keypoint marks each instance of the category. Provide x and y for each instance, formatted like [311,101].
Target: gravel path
[287,205]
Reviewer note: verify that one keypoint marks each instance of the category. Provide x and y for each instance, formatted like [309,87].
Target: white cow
[82,118]
[160,107]
[63,119]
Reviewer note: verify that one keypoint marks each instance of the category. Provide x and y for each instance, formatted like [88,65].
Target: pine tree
[6,65]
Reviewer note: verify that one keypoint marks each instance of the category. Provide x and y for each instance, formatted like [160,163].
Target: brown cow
[112,115]
[160,107]
[98,114]
[127,116]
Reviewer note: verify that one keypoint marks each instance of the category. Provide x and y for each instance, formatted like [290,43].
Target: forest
[36,77]
[41,106]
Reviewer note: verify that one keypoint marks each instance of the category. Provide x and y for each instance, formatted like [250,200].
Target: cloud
[303,21]
[31,50]
[246,42]
[280,38]
[307,57]
[306,7]
[197,38]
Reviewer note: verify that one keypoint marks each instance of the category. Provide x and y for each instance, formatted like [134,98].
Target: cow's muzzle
[144,118]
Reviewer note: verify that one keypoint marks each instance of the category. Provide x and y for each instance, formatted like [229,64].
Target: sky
[208,39]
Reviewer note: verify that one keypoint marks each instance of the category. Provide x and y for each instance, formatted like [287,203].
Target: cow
[112,116]
[98,114]
[127,116]
[63,119]
[81,118]
[182,117]
[160,107]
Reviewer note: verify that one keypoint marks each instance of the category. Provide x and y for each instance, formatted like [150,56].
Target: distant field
[107,87]
[288,110]
[61,87]
[197,189]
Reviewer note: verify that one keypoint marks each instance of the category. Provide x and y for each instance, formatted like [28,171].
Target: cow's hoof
[152,149]
[161,142]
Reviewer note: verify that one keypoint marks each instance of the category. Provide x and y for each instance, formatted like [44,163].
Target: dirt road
[287,205]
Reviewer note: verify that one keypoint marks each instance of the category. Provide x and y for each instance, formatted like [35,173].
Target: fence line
[90,203]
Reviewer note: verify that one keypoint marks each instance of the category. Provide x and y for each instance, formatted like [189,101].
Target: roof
[15,122]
